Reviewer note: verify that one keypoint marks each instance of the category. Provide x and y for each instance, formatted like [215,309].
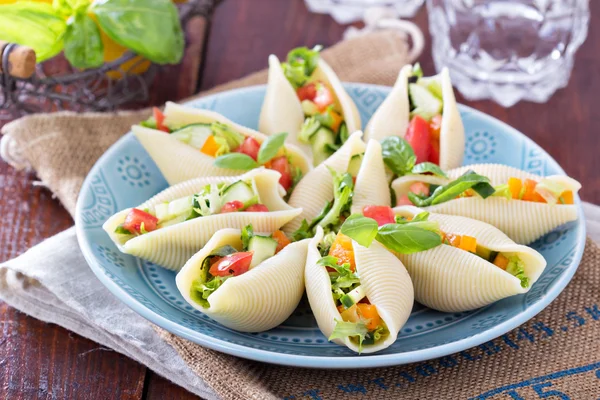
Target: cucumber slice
[320,143]
[432,84]
[263,247]
[353,297]
[309,108]
[426,104]
[194,135]
[308,129]
[182,206]
[161,211]
[240,191]
[354,164]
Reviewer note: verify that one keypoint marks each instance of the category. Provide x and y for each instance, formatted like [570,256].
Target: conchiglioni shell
[179,162]
[522,221]
[316,188]
[371,186]
[173,245]
[282,110]
[386,282]
[393,115]
[257,300]
[449,279]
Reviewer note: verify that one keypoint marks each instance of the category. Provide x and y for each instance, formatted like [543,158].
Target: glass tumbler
[507,50]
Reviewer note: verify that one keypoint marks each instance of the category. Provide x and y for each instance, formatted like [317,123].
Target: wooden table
[39,360]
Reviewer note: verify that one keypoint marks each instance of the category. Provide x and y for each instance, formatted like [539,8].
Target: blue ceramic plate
[126,176]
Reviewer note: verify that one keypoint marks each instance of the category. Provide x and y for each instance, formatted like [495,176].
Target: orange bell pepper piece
[336,120]
[514,185]
[369,312]
[501,261]
[567,197]
[282,240]
[210,146]
[468,243]
[529,194]
[342,249]
[454,240]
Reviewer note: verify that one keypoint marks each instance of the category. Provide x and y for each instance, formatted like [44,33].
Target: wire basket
[93,89]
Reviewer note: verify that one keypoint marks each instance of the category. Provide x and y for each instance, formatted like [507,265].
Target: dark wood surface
[39,360]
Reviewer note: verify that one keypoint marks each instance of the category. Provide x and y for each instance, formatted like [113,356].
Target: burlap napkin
[537,360]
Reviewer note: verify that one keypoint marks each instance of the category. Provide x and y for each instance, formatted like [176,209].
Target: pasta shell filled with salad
[247,281]
[172,226]
[306,99]
[186,143]
[522,205]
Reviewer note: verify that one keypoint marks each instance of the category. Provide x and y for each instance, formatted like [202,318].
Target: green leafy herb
[236,161]
[270,147]
[409,238]
[343,133]
[428,168]
[342,198]
[301,63]
[361,229]
[503,191]
[247,234]
[149,123]
[469,180]
[122,231]
[234,139]
[83,46]
[303,232]
[310,126]
[200,290]
[36,25]
[398,155]
[151,28]
[516,268]
[345,329]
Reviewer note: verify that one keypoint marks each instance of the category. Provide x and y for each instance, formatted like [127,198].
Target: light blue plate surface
[126,176]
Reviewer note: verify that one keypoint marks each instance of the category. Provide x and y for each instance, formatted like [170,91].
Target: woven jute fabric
[556,355]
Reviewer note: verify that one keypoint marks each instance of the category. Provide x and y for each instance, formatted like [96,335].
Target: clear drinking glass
[507,50]
[347,11]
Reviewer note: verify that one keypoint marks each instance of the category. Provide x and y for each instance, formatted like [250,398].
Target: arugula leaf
[427,167]
[469,180]
[83,46]
[342,198]
[270,147]
[408,238]
[122,231]
[361,229]
[200,290]
[420,217]
[310,126]
[516,267]
[398,155]
[223,251]
[303,232]
[236,161]
[301,63]
[345,329]
[247,234]
[234,139]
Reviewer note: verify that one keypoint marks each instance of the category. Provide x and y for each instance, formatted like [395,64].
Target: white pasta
[371,186]
[522,221]
[173,245]
[386,282]
[449,279]
[179,162]
[282,110]
[393,115]
[257,300]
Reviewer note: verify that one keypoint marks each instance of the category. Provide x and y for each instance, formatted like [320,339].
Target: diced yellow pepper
[468,243]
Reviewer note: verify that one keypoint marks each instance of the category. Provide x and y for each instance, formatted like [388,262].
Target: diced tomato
[567,197]
[232,206]
[342,249]
[420,188]
[369,313]
[307,92]
[418,136]
[282,240]
[324,96]
[529,185]
[249,147]
[404,201]
[159,117]
[501,261]
[135,219]
[257,208]
[282,165]
[468,243]
[234,264]
[515,185]
[434,152]
[435,127]
[382,214]
[210,146]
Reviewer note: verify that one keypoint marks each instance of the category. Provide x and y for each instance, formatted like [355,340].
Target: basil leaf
[407,238]
[236,161]
[484,189]
[35,25]
[83,46]
[301,63]
[270,147]
[360,229]
[427,167]
[122,231]
[151,28]
[303,232]
[420,217]
[469,180]
[223,251]
[398,155]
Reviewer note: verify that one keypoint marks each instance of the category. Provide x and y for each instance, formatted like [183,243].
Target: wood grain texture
[45,361]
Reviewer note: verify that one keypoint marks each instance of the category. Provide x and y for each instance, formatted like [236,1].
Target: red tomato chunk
[233,264]
[135,219]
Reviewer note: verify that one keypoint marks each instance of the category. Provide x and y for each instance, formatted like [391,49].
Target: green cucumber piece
[353,296]
[354,164]
[161,211]
[483,252]
[309,128]
[263,247]
[182,206]
[426,104]
[240,191]
[320,143]
[309,108]
[432,84]
[194,135]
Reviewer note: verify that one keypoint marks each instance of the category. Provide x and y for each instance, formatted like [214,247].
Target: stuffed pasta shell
[522,205]
[247,281]
[475,265]
[306,99]
[422,110]
[186,143]
[173,225]
[360,297]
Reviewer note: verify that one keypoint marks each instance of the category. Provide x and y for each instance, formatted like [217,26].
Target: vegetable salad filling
[426,104]
[226,262]
[324,127]
[471,184]
[360,320]
[240,196]
[231,149]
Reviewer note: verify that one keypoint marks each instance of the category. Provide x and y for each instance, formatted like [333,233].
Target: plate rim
[349,362]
